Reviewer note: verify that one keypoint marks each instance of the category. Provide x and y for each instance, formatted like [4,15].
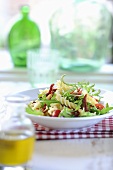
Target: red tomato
[99,106]
[56,113]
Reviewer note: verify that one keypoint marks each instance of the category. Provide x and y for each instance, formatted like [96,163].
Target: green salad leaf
[29,110]
[106,109]
[66,112]
[48,102]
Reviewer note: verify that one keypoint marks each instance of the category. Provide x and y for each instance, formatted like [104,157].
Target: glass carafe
[80,30]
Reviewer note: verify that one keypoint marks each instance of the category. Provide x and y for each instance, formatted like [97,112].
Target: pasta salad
[68,100]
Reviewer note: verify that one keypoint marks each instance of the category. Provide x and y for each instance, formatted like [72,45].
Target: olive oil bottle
[17,135]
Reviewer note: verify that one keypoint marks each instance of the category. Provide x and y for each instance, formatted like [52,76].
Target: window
[41,10]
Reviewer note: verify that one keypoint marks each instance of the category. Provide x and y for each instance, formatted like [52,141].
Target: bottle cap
[25,9]
[17,98]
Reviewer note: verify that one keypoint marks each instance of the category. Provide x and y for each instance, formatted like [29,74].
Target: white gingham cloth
[104,129]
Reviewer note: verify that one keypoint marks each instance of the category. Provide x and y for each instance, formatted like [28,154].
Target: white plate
[69,123]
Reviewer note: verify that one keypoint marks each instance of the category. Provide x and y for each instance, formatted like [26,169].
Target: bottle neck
[16,110]
[25,11]
[16,104]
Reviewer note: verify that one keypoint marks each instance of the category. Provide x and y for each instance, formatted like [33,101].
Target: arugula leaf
[106,109]
[78,105]
[87,114]
[40,96]
[68,84]
[29,110]
[83,85]
[48,102]
[96,93]
[95,110]
[66,112]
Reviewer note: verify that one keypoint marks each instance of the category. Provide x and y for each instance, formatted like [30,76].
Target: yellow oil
[16,152]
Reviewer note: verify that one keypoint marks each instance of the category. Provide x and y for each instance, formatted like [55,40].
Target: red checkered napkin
[104,129]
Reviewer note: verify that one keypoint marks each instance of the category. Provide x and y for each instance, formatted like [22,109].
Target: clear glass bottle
[80,30]
[17,135]
[23,35]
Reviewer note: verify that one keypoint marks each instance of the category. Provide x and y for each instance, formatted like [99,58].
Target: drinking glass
[42,66]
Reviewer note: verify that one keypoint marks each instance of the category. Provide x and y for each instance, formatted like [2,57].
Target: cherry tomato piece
[99,106]
[56,113]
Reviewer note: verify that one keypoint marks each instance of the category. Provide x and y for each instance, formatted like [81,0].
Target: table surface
[80,154]
[69,154]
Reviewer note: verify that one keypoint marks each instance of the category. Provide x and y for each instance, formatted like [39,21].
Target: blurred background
[40,11]
[91,39]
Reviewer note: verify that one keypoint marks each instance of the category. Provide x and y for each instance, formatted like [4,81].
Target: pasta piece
[36,105]
[57,106]
[53,107]
[43,92]
[62,87]
[51,110]
[49,96]
[65,102]
[91,100]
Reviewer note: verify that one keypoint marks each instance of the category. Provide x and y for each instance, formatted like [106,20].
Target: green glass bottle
[24,35]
